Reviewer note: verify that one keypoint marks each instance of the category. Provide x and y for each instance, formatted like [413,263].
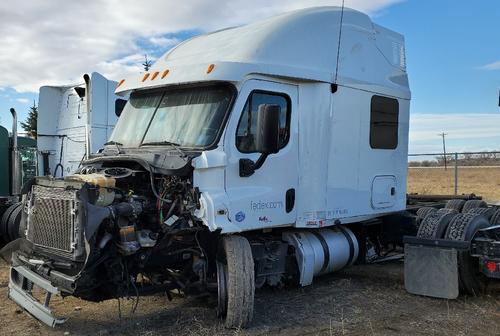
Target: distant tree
[31,121]
[147,63]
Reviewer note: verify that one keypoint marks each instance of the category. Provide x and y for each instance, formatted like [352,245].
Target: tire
[238,291]
[472,204]
[448,211]
[424,211]
[486,212]
[463,227]
[4,222]
[456,204]
[495,219]
[13,223]
[435,224]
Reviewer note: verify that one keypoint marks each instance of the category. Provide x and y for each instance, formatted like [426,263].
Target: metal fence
[455,174]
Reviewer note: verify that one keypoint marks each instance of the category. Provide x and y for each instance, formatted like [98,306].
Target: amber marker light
[146,75]
[165,73]
[155,74]
[210,68]
[120,83]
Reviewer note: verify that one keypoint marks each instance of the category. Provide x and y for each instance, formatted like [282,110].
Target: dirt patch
[480,181]
[363,300]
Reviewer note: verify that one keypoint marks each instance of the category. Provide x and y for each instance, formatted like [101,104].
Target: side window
[245,134]
[384,118]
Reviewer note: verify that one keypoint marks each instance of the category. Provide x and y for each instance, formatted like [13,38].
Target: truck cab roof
[302,45]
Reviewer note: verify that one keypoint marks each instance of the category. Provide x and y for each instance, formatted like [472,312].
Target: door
[267,197]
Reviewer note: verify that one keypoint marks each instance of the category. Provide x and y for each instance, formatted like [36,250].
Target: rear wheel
[13,223]
[463,227]
[495,219]
[4,222]
[422,213]
[435,224]
[472,204]
[486,212]
[456,204]
[236,282]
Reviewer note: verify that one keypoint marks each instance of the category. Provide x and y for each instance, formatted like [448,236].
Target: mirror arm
[248,167]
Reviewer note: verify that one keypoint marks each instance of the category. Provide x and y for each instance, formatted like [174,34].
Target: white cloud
[22,100]
[491,66]
[51,42]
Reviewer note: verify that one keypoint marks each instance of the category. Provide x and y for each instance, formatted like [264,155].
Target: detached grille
[51,223]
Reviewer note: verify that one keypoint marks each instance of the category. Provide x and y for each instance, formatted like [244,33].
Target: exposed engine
[113,231]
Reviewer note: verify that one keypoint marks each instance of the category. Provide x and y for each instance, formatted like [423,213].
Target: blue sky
[453,53]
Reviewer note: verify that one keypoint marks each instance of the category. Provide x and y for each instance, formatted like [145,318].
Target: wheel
[4,222]
[448,211]
[486,212]
[495,219]
[434,225]
[463,227]
[13,223]
[235,282]
[456,204]
[422,212]
[471,204]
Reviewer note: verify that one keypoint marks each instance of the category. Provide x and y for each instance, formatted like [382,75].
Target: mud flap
[431,271]
[21,283]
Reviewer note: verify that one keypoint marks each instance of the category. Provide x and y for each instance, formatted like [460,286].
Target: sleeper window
[245,134]
[384,119]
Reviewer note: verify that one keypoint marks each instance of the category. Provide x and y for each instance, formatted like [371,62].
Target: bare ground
[364,300]
[482,181]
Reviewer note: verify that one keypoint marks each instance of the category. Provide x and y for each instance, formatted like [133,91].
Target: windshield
[189,117]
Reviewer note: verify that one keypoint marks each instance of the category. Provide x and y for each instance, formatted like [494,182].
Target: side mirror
[119,106]
[268,128]
[266,138]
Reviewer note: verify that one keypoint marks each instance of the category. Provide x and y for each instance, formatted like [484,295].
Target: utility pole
[443,135]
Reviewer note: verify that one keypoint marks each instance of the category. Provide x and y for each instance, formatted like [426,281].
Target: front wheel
[235,282]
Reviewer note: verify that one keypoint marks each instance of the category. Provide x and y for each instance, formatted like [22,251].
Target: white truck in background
[62,123]
[259,155]
[64,134]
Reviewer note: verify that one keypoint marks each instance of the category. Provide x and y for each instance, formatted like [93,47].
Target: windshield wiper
[176,146]
[117,144]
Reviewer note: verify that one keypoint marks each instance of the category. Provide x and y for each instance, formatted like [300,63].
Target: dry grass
[482,181]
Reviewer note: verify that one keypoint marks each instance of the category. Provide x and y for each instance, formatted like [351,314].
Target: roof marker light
[120,83]
[210,68]
[154,75]
[146,75]
[165,73]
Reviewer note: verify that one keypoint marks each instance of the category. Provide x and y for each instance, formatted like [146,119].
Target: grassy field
[482,181]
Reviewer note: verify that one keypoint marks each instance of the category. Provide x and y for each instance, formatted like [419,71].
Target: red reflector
[491,266]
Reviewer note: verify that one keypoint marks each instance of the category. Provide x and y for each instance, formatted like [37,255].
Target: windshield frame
[176,87]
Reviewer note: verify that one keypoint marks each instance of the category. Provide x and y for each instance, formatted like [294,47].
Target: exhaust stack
[16,162]
[88,124]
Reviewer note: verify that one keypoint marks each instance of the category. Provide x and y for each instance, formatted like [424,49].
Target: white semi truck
[253,156]
[67,131]
[65,124]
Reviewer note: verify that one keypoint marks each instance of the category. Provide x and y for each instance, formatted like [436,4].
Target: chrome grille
[52,219]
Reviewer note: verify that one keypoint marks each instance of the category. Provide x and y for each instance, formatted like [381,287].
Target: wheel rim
[221,289]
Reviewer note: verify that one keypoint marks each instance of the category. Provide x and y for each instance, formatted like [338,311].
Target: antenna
[338,46]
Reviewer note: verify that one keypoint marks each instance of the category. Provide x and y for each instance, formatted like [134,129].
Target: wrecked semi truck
[250,156]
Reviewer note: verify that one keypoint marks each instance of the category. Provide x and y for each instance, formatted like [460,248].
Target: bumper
[21,283]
